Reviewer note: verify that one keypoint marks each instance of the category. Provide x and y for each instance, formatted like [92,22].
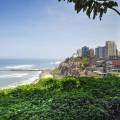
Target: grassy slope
[65,99]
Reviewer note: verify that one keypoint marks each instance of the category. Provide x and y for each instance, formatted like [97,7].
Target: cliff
[74,67]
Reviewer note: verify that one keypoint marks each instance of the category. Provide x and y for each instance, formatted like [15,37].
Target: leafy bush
[50,84]
[69,83]
[69,98]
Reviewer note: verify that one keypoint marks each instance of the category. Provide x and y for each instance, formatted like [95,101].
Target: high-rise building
[91,53]
[85,51]
[119,53]
[111,49]
[100,52]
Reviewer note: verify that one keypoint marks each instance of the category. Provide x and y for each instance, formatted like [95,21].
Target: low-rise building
[116,64]
[108,66]
[112,65]
[92,61]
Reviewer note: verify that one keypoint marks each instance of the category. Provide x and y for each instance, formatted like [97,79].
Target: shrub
[69,98]
[50,84]
[69,83]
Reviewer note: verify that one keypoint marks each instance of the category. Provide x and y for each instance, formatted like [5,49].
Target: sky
[51,29]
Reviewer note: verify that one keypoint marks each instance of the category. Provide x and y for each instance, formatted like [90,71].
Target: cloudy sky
[49,29]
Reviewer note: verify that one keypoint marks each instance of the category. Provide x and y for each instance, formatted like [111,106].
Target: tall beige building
[91,52]
[111,49]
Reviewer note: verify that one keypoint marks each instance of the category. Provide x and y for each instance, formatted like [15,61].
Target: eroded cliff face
[74,67]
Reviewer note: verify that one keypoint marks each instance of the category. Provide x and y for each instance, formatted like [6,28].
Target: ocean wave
[56,63]
[32,79]
[25,82]
[16,75]
[19,67]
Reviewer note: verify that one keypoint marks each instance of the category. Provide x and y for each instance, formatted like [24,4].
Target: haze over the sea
[49,29]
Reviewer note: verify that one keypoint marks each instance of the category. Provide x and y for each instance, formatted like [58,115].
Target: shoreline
[43,74]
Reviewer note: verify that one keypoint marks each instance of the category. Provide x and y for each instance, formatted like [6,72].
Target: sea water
[23,71]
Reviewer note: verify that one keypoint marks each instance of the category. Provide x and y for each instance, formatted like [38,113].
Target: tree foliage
[94,7]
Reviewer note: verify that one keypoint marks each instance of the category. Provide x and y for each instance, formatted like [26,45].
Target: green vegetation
[85,62]
[115,73]
[94,7]
[68,98]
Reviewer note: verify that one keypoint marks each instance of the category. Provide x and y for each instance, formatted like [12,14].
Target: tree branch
[115,10]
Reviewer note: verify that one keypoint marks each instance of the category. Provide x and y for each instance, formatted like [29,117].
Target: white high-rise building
[111,49]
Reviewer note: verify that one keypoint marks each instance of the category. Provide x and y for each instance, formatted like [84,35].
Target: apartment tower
[111,49]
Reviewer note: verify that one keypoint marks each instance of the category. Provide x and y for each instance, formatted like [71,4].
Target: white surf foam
[19,67]
[25,82]
[16,75]
[56,63]
[31,80]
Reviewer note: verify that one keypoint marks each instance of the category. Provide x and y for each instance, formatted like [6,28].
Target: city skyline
[108,50]
[100,45]
[51,29]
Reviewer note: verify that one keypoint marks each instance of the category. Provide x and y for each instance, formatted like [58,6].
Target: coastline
[43,74]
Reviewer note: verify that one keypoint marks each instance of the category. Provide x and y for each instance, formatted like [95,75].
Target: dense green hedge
[70,98]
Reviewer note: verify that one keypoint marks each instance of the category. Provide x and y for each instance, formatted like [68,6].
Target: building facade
[111,49]
[91,53]
[116,64]
[85,51]
[100,52]
[118,53]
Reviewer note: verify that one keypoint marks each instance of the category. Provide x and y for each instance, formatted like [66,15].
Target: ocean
[23,71]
